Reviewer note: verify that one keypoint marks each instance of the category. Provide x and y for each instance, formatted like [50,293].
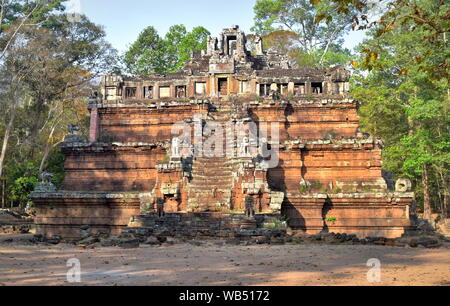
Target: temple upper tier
[229,67]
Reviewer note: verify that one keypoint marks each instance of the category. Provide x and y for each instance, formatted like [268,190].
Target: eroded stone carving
[176,142]
[45,186]
[403,185]
[74,137]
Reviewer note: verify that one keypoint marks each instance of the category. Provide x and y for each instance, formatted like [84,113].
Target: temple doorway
[223,86]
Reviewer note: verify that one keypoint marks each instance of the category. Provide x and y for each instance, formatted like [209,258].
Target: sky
[124,20]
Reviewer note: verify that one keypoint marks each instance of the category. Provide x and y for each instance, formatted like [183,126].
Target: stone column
[156,91]
[213,85]
[308,88]
[291,87]
[93,130]
[259,45]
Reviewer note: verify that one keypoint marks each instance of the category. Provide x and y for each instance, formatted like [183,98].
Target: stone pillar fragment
[259,45]
[93,130]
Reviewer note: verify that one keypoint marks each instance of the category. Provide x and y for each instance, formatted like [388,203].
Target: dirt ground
[215,264]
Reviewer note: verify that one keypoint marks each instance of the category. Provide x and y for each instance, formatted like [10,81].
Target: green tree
[196,40]
[151,53]
[429,19]
[405,105]
[46,74]
[146,54]
[23,13]
[15,16]
[319,37]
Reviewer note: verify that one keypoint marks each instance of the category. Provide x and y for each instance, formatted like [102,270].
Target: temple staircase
[211,185]
[210,189]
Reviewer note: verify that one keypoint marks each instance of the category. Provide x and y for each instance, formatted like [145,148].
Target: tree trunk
[8,131]
[3,194]
[44,159]
[48,149]
[446,206]
[426,194]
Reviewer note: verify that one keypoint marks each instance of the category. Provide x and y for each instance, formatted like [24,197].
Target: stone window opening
[164,92]
[299,89]
[244,87]
[232,44]
[180,91]
[200,89]
[111,93]
[223,87]
[317,88]
[283,89]
[130,92]
[264,90]
[148,92]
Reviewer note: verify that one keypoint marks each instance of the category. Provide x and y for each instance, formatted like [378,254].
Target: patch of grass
[332,219]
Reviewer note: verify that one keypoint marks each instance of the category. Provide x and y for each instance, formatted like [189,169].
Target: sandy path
[185,264]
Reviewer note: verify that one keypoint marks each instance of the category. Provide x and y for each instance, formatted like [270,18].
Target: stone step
[201,182]
[211,164]
[203,203]
[218,165]
[214,168]
[205,198]
[207,224]
[205,178]
[199,175]
[210,173]
[209,200]
[208,192]
[202,188]
[211,159]
[221,112]
[197,188]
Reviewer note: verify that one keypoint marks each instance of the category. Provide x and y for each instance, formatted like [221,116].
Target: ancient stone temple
[237,136]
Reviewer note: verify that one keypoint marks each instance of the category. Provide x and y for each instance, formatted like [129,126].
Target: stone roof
[295,75]
[158,77]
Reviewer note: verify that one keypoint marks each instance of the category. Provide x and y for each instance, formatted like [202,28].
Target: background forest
[50,63]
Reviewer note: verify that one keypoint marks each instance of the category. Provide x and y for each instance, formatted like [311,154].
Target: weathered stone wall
[111,168]
[324,165]
[141,124]
[310,121]
[68,214]
[364,214]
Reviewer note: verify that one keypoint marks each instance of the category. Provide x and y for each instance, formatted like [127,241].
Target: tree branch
[17,30]
[2,12]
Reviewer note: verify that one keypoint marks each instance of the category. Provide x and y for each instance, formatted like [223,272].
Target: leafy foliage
[406,106]
[46,73]
[317,30]
[428,20]
[151,53]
